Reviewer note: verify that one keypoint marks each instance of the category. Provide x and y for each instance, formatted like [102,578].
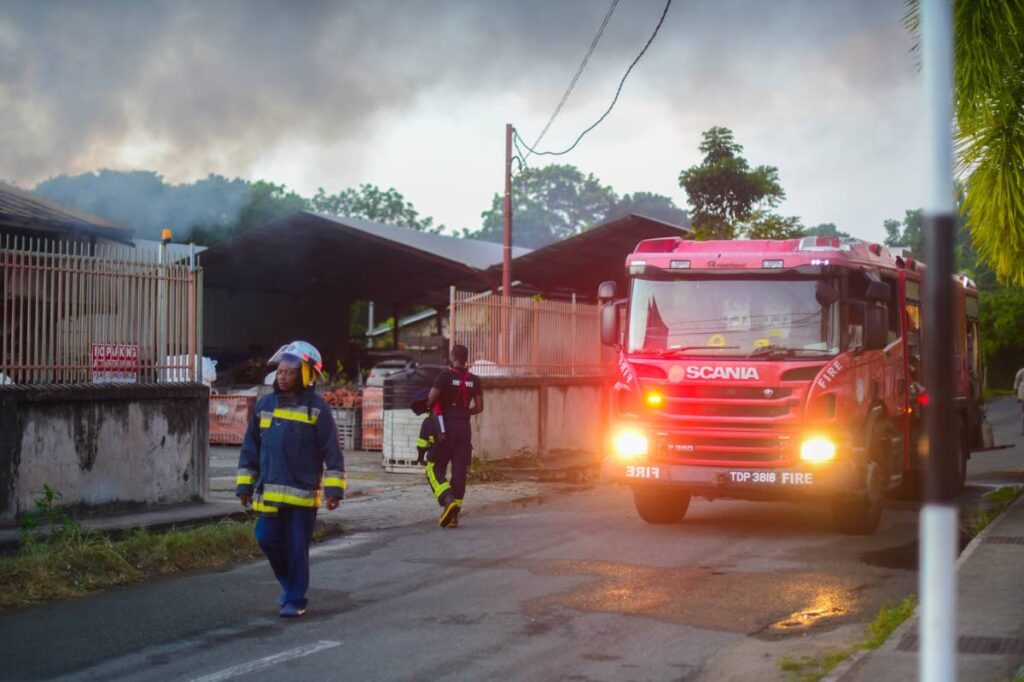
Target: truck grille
[729,425]
[755,447]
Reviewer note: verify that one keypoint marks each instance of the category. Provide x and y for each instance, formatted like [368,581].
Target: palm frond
[989,81]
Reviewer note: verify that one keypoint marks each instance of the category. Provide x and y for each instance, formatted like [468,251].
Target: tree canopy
[724,191]
[989,98]
[558,201]
[372,203]
[825,230]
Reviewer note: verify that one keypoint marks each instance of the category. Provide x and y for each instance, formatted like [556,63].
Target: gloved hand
[332,503]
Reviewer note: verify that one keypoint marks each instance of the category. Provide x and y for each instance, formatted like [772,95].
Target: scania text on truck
[777,370]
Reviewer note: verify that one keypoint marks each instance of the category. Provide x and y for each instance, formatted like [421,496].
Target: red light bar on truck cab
[662,245]
[820,244]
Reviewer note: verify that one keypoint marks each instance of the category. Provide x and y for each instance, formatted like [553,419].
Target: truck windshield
[722,317]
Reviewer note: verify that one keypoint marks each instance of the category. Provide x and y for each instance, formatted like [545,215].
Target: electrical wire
[615,99]
[576,77]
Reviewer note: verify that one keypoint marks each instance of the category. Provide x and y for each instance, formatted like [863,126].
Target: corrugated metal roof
[22,210]
[581,262]
[355,259]
[472,252]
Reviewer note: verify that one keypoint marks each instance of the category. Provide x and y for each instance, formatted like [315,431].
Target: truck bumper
[841,477]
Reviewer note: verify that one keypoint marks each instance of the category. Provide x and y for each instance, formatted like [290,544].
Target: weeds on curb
[71,562]
[997,501]
[813,668]
[484,471]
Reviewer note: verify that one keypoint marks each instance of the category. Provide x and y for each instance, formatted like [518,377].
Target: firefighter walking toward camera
[290,439]
[455,397]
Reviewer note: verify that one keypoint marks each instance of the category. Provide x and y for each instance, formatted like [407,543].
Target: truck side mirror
[825,293]
[610,322]
[876,326]
[877,292]
[606,291]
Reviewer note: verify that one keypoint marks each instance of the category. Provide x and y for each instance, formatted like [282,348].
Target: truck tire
[860,514]
[661,505]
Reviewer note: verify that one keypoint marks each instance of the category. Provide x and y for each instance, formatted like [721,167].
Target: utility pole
[938,529]
[506,267]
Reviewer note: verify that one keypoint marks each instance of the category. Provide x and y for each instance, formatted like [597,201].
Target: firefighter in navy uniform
[290,439]
[455,397]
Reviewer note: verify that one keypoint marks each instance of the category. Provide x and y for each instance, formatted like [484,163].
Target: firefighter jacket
[286,447]
[429,433]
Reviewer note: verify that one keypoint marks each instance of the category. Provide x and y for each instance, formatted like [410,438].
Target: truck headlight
[817,449]
[630,444]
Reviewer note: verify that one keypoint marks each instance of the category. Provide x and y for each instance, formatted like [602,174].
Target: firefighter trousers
[284,537]
[456,449]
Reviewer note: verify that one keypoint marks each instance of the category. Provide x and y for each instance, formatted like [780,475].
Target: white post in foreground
[939,532]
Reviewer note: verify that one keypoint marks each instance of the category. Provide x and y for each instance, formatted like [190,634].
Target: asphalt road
[576,588]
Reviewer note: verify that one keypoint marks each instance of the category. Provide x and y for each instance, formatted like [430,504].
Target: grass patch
[889,617]
[813,668]
[994,393]
[485,471]
[59,559]
[78,563]
[996,502]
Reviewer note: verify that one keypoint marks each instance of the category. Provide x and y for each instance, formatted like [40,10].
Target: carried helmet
[300,354]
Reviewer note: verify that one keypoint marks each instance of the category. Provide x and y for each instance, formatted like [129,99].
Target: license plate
[772,477]
[643,472]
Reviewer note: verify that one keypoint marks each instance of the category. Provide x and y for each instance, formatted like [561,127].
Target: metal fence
[529,336]
[82,313]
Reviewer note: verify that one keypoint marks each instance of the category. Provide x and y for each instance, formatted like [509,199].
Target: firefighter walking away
[455,397]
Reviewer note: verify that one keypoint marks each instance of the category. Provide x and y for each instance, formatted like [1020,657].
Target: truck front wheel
[859,515]
[661,505]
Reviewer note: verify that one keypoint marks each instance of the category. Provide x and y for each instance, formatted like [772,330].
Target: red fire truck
[777,369]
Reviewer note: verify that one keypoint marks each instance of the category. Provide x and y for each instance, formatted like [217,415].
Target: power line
[615,99]
[576,77]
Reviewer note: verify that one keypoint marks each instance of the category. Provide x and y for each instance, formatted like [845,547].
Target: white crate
[347,422]
[401,431]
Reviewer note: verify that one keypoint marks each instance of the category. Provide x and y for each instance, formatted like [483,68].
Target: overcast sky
[415,95]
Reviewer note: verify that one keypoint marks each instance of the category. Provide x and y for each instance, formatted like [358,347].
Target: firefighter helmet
[300,354]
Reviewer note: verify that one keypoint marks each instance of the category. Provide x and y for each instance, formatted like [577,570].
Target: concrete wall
[103,445]
[540,416]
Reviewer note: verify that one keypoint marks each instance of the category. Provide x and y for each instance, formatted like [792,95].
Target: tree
[548,204]
[766,225]
[650,205]
[989,47]
[909,233]
[267,202]
[723,190]
[372,203]
[825,230]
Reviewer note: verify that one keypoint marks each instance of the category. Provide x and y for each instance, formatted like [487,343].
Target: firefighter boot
[453,522]
[451,508]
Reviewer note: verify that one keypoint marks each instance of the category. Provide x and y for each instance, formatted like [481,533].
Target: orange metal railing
[75,312]
[529,337]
